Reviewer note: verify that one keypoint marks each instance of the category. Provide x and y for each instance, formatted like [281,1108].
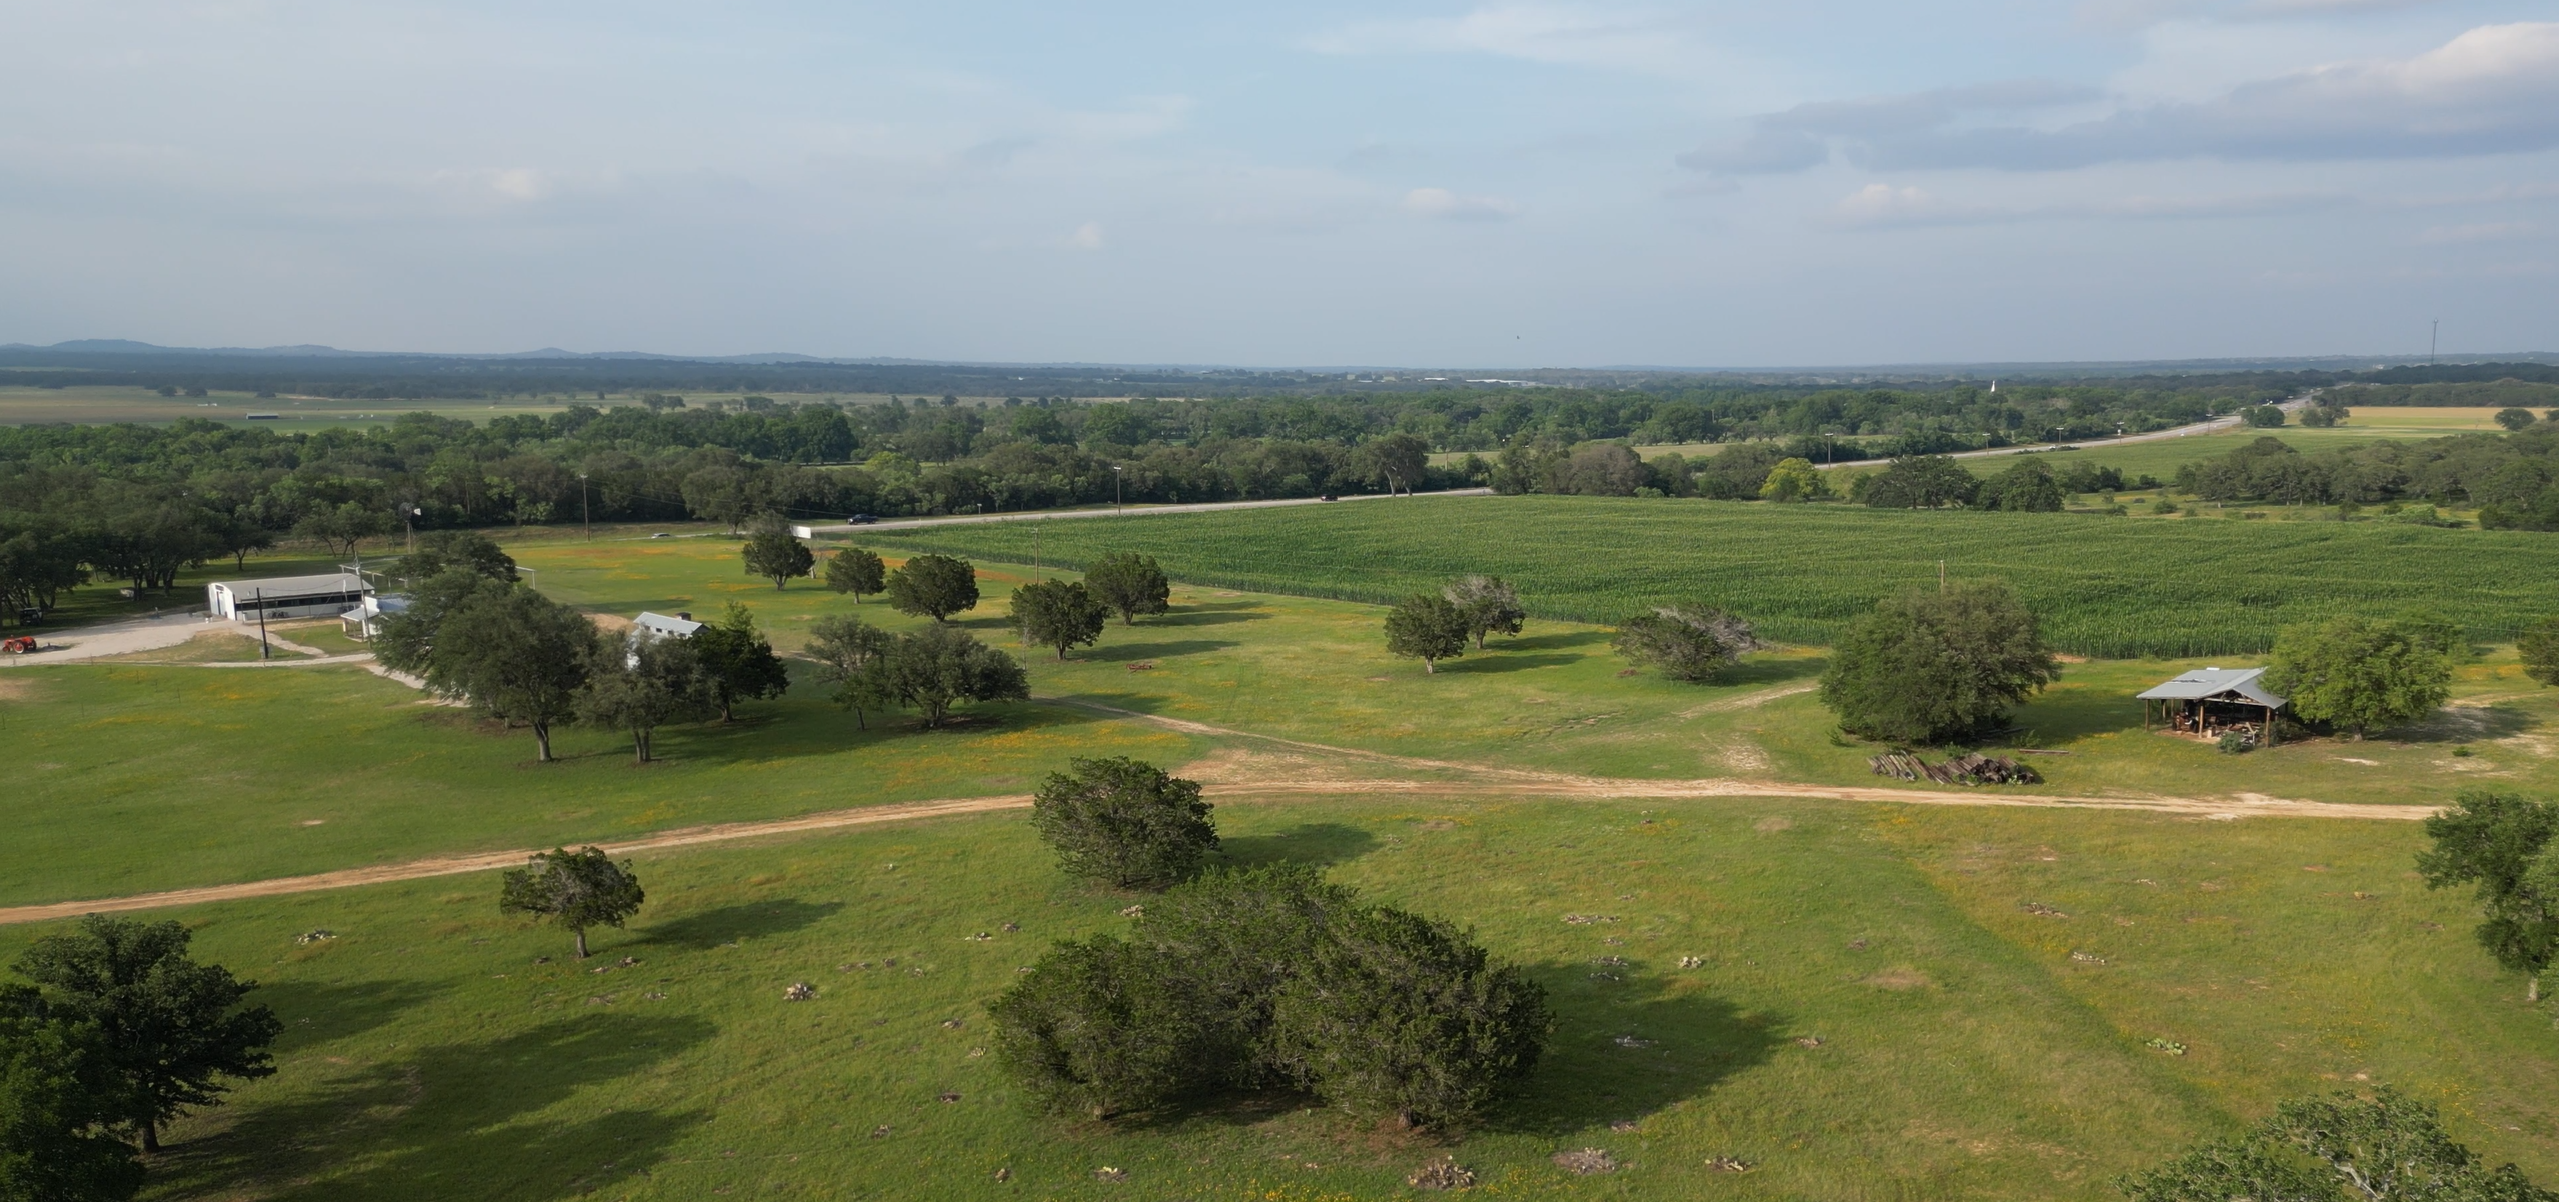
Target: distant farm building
[2209,702]
[652,627]
[286,597]
[365,620]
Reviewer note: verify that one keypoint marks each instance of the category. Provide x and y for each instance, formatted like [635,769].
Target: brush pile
[1971,768]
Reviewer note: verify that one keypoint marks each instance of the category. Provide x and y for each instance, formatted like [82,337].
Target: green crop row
[2102,586]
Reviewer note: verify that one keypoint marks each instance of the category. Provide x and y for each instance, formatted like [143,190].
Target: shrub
[1244,979]
[1488,603]
[1425,626]
[2263,417]
[2539,648]
[1399,1015]
[1097,1027]
[1059,614]
[1124,823]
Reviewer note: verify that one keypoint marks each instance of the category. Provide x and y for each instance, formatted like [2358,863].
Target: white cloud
[1087,236]
[1443,204]
[2488,91]
[1884,206]
[2483,231]
[1570,35]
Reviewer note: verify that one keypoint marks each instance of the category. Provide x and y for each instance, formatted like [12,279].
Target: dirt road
[1550,787]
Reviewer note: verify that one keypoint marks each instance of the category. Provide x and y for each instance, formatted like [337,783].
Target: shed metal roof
[661,625]
[2204,683]
[294,586]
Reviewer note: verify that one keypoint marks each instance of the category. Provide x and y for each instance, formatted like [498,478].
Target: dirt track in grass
[1234,776]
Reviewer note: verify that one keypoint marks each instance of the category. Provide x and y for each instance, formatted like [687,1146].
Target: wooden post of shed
[2271,726]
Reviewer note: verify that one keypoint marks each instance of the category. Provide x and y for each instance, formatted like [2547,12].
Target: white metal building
[286,596]
[365,621]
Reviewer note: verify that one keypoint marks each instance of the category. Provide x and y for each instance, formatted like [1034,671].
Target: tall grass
[2103,586]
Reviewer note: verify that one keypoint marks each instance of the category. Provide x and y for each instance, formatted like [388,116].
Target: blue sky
[1496,185]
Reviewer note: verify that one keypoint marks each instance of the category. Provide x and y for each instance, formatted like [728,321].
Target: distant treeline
[2513,393]
[137,503]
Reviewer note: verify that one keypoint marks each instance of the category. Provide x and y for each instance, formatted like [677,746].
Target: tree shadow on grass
[1498,660]
[1768,671]
[810,725]
[1624,1049]
[1208,615]
[2461,724]
[313,1011]
[1111,654]
[729,924]
[435,1123]
[1317,843]
[1547,642]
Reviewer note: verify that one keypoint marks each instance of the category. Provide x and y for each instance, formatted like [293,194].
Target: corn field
[2107,587]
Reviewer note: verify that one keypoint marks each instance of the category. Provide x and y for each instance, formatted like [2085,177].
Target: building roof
[2239,684]
[293,586]
[661,625]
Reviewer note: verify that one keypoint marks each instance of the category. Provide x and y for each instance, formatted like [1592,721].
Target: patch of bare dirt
[1773,824]
[1900,979]
[1752,700]
[610,623]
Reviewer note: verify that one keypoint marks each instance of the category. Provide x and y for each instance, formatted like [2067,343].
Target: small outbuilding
[2209,702]
[661,626]
[281,597]
[365,621]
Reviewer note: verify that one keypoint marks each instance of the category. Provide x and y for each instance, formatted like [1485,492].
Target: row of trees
[1250,980]
[2510,477]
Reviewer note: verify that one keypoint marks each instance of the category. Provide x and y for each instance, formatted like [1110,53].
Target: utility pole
[1035,551]
[1942,576]
[585,529]
[1116,477]
[261,600]
[2432,323]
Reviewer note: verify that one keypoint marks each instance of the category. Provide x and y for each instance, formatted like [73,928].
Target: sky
[1824,182]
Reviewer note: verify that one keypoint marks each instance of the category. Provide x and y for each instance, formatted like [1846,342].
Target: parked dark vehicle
[862,519]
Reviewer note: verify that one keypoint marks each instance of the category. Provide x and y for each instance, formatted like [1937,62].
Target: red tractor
[24,644]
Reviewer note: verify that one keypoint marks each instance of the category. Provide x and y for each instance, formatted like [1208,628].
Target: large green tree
[1131,584]
[739,661]
[1686,641]
[850,654]
[1395,460]
[173,1030]
[513,654]
[643,684]
[938,667]
[1921,482]
[574,890]
[406,639]
[773,553]
[1124,823]
[1426,627]
[934,586]
[2360,673]
[2026,486]
[2539,648]
[2505,845]
[1488,603]
[1927,666]
[60,1106]
[856,571]
[1058,614]
[469,550]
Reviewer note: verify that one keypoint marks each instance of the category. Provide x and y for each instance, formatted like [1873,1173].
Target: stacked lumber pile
[1972,768]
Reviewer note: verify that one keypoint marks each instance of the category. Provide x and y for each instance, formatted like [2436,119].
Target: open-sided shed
[2209,701]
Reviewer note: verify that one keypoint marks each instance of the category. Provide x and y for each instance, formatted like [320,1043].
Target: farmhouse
[2210,701]
[286,596]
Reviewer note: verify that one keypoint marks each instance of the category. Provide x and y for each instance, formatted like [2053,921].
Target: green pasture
[1875,1014]
[139,778]
[2102,586]
[163,774]
[1557,698]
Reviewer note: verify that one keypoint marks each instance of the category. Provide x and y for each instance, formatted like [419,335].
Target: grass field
[1964,1052]
[2102,586]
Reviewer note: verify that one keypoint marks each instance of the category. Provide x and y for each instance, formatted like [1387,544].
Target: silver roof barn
[2238,685]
